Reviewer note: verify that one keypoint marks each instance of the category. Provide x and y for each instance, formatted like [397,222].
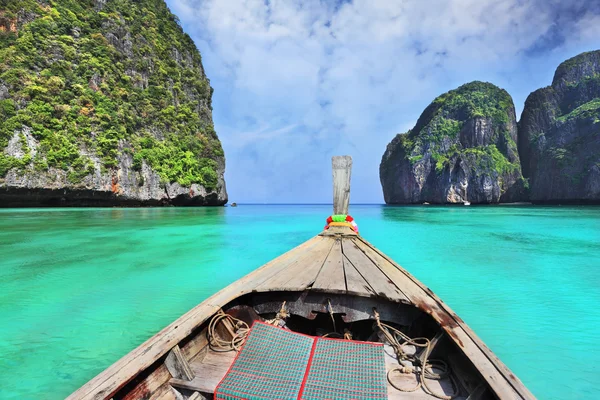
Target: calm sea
[79,288]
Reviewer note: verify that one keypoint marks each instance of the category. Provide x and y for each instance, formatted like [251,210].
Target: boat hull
[336,270]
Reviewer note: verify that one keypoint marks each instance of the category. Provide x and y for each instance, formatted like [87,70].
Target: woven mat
[279,364]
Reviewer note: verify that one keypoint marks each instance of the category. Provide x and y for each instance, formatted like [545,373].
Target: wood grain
[196,396]
[298,276]
[342,169]
[381,284]
[355,283]
[195,345]
[208,373]
[331,277]
[165,392]
[151,384]
[178,365]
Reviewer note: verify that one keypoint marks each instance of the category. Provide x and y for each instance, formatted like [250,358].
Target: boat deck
[333,262]
[343,265]
[337,262]
[340,261]
[211,366]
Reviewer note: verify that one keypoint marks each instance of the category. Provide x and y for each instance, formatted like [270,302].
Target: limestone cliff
[559,134]
[463,148]
[104,102]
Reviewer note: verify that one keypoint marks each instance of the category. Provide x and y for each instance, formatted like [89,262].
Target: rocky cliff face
[559,134]
[104,102]
[463,148]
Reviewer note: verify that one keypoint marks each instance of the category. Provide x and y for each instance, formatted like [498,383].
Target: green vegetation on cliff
[447,116]
[590,109]
[475,99]
[463,148]
[559,131]
[93,79]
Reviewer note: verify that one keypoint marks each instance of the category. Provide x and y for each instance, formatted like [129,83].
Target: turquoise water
[79,288]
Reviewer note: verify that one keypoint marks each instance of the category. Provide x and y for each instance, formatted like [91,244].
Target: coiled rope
[239,334]
[240,330]
[396,338]
[423,371]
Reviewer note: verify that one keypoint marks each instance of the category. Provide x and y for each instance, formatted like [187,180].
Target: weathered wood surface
[342,168]
[157,381]
[208,372]
[331,277]
[356,284]
[315,264]
[196,396]
[151,385]
[380,283]
[178,365]
[338,231]
[300,274]
[166,392]
[195,345]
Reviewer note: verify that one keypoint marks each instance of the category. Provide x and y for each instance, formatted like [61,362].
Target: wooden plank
[331,278]
[355,283]
[194,384]
[196,396]
[342,168]
[381,284]
[302,273]
[151,384]
[338,231]
[301,279]
[165,392]
[195,345]
[208,373]
[109,381]
[178,365]
[215,360]
[497,375]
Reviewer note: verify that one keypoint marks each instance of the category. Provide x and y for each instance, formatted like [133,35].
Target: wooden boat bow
[337,265]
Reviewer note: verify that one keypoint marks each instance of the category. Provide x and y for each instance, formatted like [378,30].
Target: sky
[296,82]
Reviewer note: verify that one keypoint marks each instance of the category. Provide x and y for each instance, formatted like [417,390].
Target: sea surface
[79,288]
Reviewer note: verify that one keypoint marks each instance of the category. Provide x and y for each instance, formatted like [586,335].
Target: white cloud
[258,136]
[309,79]
[588,28]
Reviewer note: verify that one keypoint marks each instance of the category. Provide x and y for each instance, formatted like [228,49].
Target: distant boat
[233,204]
[336,282]
[467,203]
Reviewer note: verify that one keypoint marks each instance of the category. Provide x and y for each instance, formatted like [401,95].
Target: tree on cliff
[559,134]
[105,96]
[463,148]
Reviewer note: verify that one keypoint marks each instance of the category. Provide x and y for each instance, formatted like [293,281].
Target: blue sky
[299,81]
